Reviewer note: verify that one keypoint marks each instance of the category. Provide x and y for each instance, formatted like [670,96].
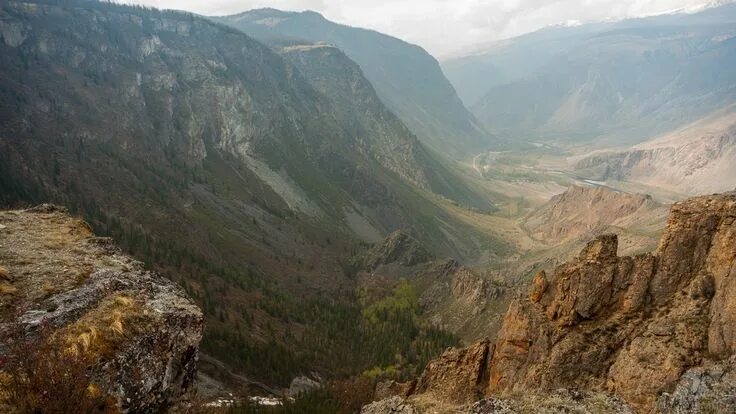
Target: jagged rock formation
[400,248]
[458,375]
[452,296]
[140,330]
[461,301]
[628,326]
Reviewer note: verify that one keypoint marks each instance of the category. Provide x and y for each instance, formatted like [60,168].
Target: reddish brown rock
[629,325]
[539,286]
[459,375]
[625,325]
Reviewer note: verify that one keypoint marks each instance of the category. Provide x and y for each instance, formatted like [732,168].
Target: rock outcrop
[704,389]
[139,331]
[628,326]
[458,375]
[453,297]
[399,248]
[587,211]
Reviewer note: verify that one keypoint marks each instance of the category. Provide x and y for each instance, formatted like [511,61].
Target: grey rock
[148,327]
[491,406]
[702,389]
[393,405]
[302,385]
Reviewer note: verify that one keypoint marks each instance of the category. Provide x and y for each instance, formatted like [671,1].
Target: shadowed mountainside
[214,159]
[406,78]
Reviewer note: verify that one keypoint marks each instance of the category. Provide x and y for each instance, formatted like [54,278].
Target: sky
[446,28]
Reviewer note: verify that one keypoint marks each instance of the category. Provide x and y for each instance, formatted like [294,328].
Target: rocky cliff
[138,331]
[452,296]
[623,326]
[406,78]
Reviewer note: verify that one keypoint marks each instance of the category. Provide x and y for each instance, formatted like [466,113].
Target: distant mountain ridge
[627,80]
[699,158]
[406,78]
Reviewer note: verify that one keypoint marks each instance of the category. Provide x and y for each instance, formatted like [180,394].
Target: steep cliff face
[138,331]
[377,132]
[407,79]
[628,326]
[452,297]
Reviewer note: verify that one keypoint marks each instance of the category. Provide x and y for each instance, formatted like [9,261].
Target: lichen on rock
[139,331]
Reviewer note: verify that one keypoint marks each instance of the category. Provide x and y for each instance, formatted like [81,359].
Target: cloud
[445,27]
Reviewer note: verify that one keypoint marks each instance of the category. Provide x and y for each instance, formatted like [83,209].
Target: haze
[447,28]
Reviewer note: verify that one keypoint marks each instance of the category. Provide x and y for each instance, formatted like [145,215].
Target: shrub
[41,376]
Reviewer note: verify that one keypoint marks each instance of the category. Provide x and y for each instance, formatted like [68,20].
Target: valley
[358,222]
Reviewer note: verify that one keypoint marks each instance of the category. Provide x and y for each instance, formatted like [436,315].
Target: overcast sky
[445,27]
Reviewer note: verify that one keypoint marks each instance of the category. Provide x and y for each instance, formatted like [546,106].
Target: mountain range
[619,82]
[345,222]
[234,168]
[406,78]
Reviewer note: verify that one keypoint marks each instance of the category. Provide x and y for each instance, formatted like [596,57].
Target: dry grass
[4,274]
[37,376]
[555,403]
[7,289]
[48,288]
[99,333]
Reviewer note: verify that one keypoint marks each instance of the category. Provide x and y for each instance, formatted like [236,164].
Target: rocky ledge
[139,331]
[650,333]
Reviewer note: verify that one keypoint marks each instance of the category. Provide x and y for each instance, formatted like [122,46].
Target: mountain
[228,167]
[406,78]
[584,211]
[84,323]
[378,132]
[698,158]
[621,81]
[603,333]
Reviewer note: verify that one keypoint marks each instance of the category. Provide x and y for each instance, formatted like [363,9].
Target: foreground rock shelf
[139,331]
